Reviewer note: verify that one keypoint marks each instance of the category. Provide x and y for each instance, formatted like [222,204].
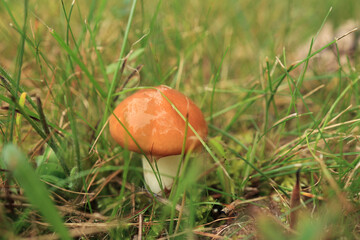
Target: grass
[279,86]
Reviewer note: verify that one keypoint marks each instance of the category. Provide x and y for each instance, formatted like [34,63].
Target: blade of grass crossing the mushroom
[213,156]
[116,77]
[174,196]
[153,166]
[34,189]
[156,173]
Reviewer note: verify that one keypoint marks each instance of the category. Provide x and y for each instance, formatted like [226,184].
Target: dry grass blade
[66,190]
[314,91]
[344,35]
[107,180]
[97,138]
[351,175]
[269,115]
[80,229]
[180,214]
[340,194]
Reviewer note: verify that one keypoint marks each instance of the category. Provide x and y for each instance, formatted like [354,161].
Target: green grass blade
[100,59]
[216,79]
[74,57]
[19,63]
[34,189]
[57,150]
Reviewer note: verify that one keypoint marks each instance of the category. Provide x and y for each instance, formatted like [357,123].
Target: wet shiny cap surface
[154,123]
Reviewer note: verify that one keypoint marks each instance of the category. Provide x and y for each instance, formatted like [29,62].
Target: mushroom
[150,117]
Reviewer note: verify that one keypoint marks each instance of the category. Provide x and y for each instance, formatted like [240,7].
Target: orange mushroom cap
[155,125]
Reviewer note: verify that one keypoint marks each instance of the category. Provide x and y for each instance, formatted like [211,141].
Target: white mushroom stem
[167,167]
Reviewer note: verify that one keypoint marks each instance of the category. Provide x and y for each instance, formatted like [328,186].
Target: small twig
[140,226]
[66,190]
[136,71]
[97,138]
[124,62]
[107,180]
